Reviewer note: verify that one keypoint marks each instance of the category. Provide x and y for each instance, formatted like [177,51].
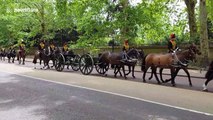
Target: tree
[190,4]
[203,31]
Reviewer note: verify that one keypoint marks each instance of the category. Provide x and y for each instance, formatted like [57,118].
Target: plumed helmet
[172,35]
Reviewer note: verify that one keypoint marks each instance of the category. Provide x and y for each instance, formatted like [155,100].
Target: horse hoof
[133,76]
[205,90]
[144,81]
[159,83]
[173,85]
[190,85]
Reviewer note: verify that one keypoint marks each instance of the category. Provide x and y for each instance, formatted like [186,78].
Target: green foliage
[95,21]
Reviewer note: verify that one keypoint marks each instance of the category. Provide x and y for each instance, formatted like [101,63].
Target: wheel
[101,68]
[59,62]
[86,64]
[75,63]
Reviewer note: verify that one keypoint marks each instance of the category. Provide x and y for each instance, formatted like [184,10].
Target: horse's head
[190,55]
[194,48]
[134,53]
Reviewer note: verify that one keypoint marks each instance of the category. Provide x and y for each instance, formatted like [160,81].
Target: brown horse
[180,66]
[21,54]
[167,60]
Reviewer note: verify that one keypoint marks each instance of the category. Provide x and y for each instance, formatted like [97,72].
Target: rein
[179,61]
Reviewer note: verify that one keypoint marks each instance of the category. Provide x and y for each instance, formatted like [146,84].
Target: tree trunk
[190,4]
[204,45]
[124,29]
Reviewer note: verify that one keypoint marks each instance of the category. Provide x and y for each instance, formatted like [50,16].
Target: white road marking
[112,93]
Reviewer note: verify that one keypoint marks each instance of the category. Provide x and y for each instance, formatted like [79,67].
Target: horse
[134,56]
[3,54]
[107,58]
[208,76]
[21,55]
[43,55]
[180,66]
[11,54]
[167,60]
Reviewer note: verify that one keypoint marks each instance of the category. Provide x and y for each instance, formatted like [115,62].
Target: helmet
[172,35]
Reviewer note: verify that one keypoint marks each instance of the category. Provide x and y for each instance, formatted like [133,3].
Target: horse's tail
[143,63]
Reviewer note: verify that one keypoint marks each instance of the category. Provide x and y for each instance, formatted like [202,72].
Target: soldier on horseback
[52,47]
[125,49]
[65,49]
[41,47]
[21,48]
[172,45]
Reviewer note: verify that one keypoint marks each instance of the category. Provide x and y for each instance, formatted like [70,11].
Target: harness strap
[178,59]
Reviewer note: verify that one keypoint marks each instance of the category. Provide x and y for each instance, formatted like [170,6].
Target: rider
[41,47]
[125,49]
[172,45]
[65,48]
[21,48]
[52,47]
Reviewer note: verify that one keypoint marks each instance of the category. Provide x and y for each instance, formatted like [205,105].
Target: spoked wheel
[101,68]
[75,63]
[59,62]
[86,64]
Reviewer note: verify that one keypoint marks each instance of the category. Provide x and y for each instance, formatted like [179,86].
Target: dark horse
[21,54]
[11,54]
[107,58]
[134,56]
[43,55]
[167,60]
[3,54]
[208,76]
[181,65]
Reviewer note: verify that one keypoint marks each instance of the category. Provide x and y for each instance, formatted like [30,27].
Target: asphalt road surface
[27,98]
[26,94]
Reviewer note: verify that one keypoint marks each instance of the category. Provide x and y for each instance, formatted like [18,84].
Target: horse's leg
[161,76]
[133,71]
[13,59]
[116,69]
[124,71]
[152,72]
[129,67]
[53,62]
[144,74]
[119,70]
[205,85]
[154,69]
[23,62]
[173,74]
[189,78]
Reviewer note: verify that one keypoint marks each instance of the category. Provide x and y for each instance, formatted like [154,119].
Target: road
[29,94]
